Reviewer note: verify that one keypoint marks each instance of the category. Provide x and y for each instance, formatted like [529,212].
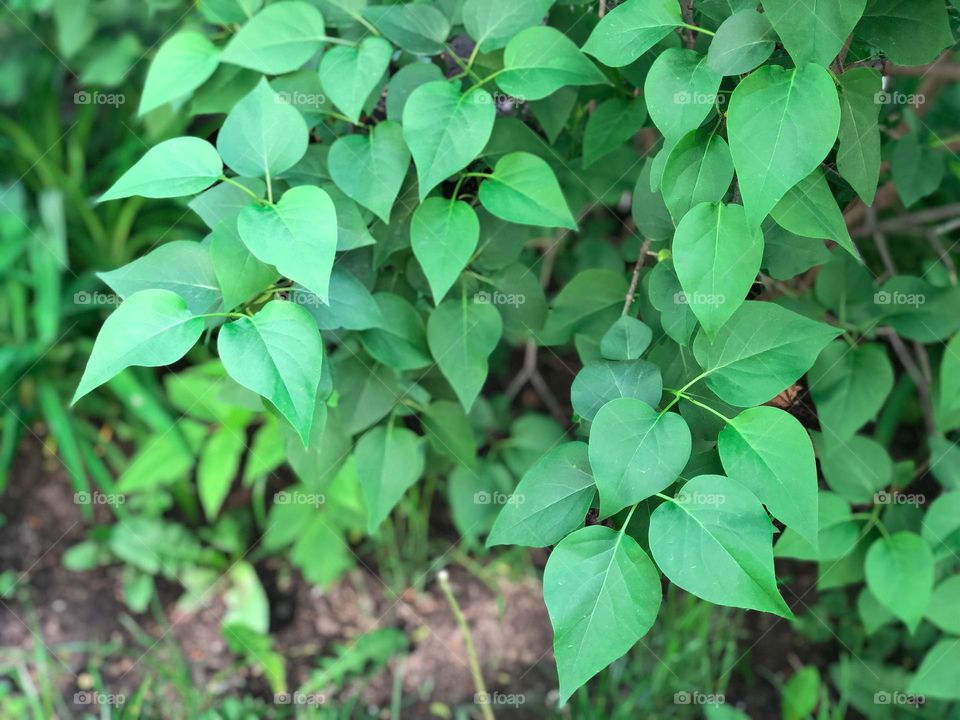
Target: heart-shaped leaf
[181,166]
[443,234]
[350,74]
[524,190]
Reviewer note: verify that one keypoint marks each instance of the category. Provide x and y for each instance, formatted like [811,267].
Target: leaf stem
[698,29]
[623,528]
[677,394]
[339,41]
[248,191]
[706,407]
[231,315]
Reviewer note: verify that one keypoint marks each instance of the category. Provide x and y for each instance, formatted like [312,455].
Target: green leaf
[550,502]
[910,32]
[849,386]
[554,111]
[351,306]
[858,156]
[948,391]
[182,267]
[262,136]
[667,297]
[448,430]
[601,381]
[743,41]
[418,28]
[225,200]
[401,342]
[941,526]
[446,130]
[404,82]
[612,124]
[944,602]
[218,466]
[781,124]
[768,451]
[648,209]
[598,583]
[760,352]
[809,209]
[151,328]
[855,468]
[177,167]
[899,570]
[237,270]
[182,64]
[443,234]
[698,169]
[524,190]
[715,540]
[277,353]
[461,336]
[917,170]
[717,256]
[681,91]
[630,29]
[350,74]
[298,236]
[493,22]
[635,452]
[627,339]
[371,169]
[389,461]
[937,675]
[801,693]
[813,33]
[278,39]
[786,255]
[540,60]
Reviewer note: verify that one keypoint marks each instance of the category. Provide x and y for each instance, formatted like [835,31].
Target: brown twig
[635,278]
[919,380]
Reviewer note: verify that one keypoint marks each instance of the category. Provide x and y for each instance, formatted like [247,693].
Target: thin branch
[635,278]
[919,380]
[880,240]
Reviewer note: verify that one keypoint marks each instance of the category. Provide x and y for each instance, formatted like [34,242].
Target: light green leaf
[717,256]
[350,74]
[177,167]
[715,540]
[493,22]
[809,209]
[277,353]
[448,430]
[937,675]
[849,386]
[551,500]
[298,236]
[237,270]
[635,452]
[443,234]
[182,64]
[278,39]
[446,130]
[743,41]
[944,602]
[524,190]
[856,468]
[540,60]
[781,124]
[612,124]
[404,82]
[899,570]
[218,466]
[768,451]
[698,169]
[183,267]
[419,28]
[151,328]
[760,352]
[601,381]
[910,32]
[225,200]
[389,461]
[262,136]
[627,339]
[917,170]
[630,29]
[948,391]
[461,335]
[813,33]
[401,342]
[858,156]
[371,169]
[351,306]
[598,583]
[681,90]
